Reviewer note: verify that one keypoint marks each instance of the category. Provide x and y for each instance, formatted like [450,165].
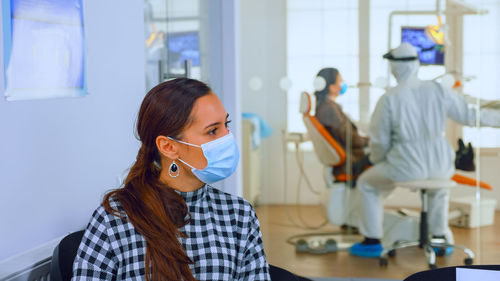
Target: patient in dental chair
[330,114]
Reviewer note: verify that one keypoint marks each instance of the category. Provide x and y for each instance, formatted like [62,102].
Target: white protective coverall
[407,141]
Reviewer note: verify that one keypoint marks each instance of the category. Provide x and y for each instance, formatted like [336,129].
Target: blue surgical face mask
[222,157]
[343,88]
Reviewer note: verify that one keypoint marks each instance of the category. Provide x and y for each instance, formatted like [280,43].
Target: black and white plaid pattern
[223,239]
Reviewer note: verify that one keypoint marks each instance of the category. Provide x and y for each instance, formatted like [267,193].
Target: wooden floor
[277,227]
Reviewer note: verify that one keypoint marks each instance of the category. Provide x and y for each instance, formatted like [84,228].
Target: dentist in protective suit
[407,141]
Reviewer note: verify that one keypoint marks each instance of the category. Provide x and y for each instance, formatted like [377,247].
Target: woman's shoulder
[110,218]
[111,237]
[326,104]
[327,108]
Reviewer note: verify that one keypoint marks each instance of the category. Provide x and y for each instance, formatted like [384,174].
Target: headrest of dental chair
[305,103]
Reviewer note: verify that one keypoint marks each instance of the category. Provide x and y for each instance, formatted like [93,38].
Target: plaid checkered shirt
[223,239]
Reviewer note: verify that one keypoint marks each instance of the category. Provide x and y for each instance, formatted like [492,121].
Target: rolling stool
[423,186]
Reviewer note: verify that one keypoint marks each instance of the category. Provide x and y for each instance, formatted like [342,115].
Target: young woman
[337,123]
[167,222]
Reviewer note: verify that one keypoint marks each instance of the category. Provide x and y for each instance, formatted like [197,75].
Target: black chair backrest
[446,273]
[280,274]
[61,268]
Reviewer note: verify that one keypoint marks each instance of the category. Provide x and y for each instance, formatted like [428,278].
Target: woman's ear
[167,147]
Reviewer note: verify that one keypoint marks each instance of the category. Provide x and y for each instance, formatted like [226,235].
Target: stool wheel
[331,242]
[301,246]
[383,262]
[433,266]
[468,261]
[391,253]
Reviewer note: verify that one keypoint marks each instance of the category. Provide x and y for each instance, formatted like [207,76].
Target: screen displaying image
[183,46]
[429,53]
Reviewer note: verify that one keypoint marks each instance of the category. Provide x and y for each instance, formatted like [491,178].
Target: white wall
[263,55]
[316,38]
[58,157]
[223,24]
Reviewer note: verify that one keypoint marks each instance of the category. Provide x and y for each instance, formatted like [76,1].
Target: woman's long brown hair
[157,211]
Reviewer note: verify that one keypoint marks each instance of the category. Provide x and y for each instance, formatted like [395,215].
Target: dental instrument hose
[302,174]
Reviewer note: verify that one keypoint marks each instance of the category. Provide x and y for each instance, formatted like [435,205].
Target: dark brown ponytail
[157,211]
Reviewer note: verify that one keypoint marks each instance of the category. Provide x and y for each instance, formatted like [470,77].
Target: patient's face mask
[222,157]
[343,88]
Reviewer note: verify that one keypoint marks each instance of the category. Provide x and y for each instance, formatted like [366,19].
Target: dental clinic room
[324,140]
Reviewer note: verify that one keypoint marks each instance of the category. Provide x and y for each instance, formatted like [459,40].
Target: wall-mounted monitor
[429,53]
[183,46]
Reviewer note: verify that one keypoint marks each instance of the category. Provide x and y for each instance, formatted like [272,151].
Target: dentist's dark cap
[405,52]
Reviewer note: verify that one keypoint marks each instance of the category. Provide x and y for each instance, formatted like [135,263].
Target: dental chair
[331,154]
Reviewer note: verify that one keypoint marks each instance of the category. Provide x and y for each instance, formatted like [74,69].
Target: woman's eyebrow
[216,123]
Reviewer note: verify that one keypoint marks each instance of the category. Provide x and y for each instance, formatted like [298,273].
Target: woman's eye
[212,132]
[227,123]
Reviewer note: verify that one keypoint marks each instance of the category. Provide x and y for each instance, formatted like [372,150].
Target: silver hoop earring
[173,170]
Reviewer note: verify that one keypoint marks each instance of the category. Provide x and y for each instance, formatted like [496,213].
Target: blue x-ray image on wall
[183,46]
[429,53]
[44,49]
